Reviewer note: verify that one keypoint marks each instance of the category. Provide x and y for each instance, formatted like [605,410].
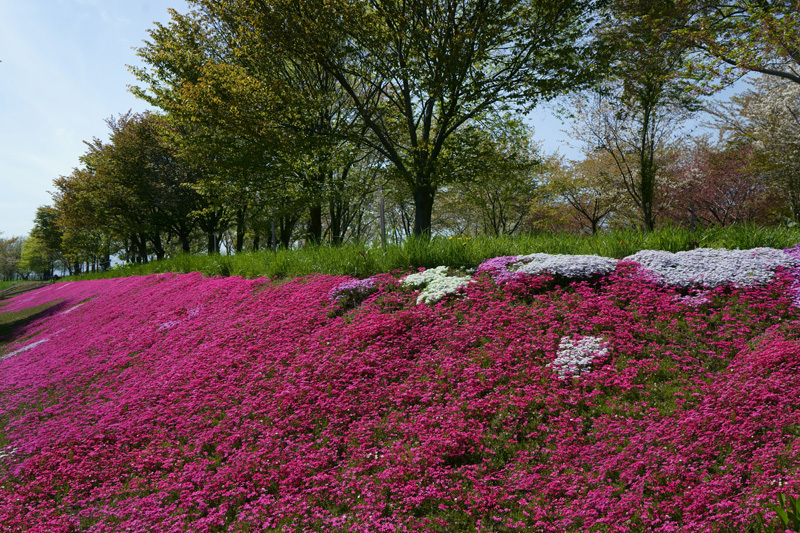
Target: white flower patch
[23,349]
[567,266]
[713,268]
[575,357]
[71,309]
[7,452]
[169,324]
[435,284]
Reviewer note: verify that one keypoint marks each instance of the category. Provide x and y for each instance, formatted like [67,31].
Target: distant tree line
[284,123]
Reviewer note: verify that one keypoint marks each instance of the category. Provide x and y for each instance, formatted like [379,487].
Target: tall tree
[270,127]
[650,91]
[416,71]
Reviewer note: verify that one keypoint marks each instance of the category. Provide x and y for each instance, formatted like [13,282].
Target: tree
[36,258]
[591,187]
[10,255]
[494,165]
[639,141]
[634,113]
[766,119]
[272,127]
[49,228]
[720,186]
[134,186]
[418,71]
[741,36]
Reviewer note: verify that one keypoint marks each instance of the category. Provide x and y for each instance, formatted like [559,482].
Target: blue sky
[62,74]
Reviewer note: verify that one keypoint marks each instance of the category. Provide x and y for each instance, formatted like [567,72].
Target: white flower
[712,268]
[435,284]
[575,356]
[567,266]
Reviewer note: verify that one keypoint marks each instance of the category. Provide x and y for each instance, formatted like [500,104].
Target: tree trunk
[158,246]
[240,229]
[286,229]
[315,224]
[647,160]
[336,218]
[184,233]
[141,252]
[423,210]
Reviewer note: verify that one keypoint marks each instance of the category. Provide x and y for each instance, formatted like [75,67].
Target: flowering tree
[768,118]
[720,185]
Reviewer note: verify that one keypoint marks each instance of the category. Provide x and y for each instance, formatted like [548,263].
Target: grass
[361,260]
[8,284]
[9,321]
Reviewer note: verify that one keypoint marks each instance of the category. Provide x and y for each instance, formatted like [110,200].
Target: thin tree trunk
[240,229]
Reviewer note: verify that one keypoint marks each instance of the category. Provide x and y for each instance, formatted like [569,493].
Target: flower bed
[614,403]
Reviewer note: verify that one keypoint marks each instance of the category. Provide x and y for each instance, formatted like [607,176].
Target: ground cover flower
[576,356]
[564,266]
[259,410]
[713,268]
[436,283]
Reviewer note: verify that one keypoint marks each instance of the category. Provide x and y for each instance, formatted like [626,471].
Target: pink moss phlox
[256,410]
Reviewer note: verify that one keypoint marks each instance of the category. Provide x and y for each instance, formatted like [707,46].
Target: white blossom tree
[768,118]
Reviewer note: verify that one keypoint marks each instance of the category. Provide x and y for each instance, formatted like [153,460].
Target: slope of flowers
[183,403]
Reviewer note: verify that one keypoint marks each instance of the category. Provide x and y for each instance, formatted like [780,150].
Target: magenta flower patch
[182,403]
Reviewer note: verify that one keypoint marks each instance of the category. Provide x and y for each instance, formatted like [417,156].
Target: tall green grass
[361,260]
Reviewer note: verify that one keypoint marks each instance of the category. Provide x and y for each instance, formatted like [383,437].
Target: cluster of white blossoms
[567,266]
[709,267]
[435,284]
[575,356]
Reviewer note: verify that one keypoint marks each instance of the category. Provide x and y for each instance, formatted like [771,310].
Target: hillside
[544,393]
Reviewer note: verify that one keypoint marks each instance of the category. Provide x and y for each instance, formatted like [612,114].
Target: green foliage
[787,518]
[360,260]
[413,72]
[36,257]
[745,36]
